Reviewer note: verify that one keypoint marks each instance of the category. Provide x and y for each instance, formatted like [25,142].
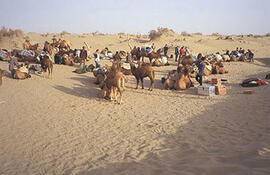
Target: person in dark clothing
[57,59]
[201,66]
[176,53]
[166,48]
[83,54]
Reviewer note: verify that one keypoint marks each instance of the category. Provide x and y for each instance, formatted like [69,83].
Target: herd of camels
[112,82]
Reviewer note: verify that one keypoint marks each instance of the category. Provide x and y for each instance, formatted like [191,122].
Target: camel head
[159,51]
[3,72]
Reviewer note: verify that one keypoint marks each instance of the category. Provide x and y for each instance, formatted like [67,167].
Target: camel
[180,79]
[2,73]
[46,63]
[50,48]
[207,71]
[243,58]
[153,55]
[33,47]
[185,60]
[99,79]
[20,75]
[140,54]
[67,60]
[171,79]
[157,63]
[233,58]
[63,44]
[114,82]
[28,46]
[219,69]
[142,71]
[135,52]
[226,58]
[183,81]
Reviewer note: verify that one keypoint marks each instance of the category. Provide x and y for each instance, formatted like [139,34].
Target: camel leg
[142,83]
[121,93]
[138,81]
[114,94]
[152,84]
[51,72]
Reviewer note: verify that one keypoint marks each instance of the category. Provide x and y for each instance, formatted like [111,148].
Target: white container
[206,90]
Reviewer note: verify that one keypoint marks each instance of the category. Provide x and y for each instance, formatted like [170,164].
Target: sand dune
[62,126]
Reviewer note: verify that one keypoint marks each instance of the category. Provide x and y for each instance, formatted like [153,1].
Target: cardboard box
[216,81]
[220,90]
[206,90]
[249,91]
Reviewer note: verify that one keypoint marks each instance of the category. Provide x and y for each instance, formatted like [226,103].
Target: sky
[137,16]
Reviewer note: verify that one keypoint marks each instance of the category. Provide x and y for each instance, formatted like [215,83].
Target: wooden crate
[220,90]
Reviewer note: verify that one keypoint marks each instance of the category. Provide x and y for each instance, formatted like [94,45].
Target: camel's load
[4,54]
[27,53]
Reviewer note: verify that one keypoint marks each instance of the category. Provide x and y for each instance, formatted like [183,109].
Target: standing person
[83,55]
[176,51]
[166,48]
[153,47]
[186,51]
[97,59]
[182,51]
[201,66]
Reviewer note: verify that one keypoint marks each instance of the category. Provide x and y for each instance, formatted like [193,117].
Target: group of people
[238,52]
[180,51]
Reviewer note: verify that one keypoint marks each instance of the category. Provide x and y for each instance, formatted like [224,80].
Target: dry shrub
[267,35]
[228,38]
[156,34]
[257,36]
[216,34]
[185,34]
[121,33]
[64,33]
[198,33]
[153,35]
[219,38]
[4,32]
[249,35]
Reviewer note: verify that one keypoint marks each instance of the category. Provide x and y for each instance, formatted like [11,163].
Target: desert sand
[62,126]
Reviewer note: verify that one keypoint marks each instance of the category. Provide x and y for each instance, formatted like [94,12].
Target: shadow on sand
[85,88]
[218,141]
[265,61]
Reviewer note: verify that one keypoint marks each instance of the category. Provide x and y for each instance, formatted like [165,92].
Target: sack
[250,82]
[3,55]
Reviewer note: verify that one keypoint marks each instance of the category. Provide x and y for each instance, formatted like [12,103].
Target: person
[148,49]
[201,66]
[166,48]
[182,51]
[13,64]
[176,51]
[97,59]
[250,55]
[186,51]
[153,47]
[83,54]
